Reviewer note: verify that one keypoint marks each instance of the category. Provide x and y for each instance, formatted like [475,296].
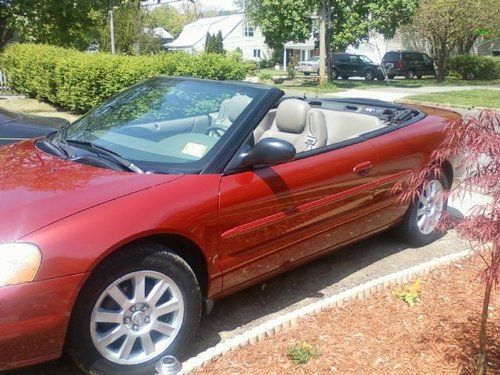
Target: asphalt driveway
[15,126]
[369,259]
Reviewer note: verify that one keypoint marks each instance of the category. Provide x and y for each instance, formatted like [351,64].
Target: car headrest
[236,105]
[291,115]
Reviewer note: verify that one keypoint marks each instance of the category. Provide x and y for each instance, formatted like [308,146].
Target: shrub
[474,67]
[265,76]
[409,294]
[250,68]
[301,353]
[267,63]
[78,81]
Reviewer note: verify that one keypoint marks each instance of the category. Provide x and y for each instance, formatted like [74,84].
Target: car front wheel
[369,75]
[410,74]
[420,224]
[143,305]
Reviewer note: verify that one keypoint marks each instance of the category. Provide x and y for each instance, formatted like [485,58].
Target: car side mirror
[268,151]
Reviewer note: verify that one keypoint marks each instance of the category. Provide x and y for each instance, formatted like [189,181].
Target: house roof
[159,32]
[196,32]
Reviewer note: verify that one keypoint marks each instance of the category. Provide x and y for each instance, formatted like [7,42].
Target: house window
[249,30]
[256,53]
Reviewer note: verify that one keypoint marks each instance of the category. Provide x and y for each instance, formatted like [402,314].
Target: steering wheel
[215,131]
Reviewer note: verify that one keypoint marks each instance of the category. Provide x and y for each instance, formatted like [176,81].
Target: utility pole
[322,45]
[112,30]
[329,52]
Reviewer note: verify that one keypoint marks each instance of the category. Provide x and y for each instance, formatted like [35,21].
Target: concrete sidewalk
[395,93]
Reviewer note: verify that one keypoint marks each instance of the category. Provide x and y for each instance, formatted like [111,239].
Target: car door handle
[363,168]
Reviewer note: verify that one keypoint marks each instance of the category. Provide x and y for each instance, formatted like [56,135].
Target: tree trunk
[482,362]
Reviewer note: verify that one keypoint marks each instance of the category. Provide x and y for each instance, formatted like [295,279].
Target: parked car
[347,65]
[117,229]
[408,64]
[15,127]
[309,66]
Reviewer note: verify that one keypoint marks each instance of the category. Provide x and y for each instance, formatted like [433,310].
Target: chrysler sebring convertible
[120,229]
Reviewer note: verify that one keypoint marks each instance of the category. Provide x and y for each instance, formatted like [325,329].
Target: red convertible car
[118,229]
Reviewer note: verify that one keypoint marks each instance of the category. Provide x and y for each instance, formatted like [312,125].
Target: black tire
[345,78]
[391,76]
[307,73]
[369,75]
[410,74]
[409,229]
[419,76]
[146,256]
[335,74]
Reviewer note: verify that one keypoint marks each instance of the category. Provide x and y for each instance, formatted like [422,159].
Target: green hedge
[474,67]
[78,81]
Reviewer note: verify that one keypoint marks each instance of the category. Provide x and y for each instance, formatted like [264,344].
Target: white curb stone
[275,325]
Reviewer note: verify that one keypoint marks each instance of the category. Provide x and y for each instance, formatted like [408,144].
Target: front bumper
[34,318]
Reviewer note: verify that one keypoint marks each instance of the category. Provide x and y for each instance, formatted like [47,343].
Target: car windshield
[365,59]
[165,123]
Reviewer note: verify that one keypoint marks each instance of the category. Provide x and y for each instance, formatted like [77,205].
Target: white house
[236,31]
[161,33]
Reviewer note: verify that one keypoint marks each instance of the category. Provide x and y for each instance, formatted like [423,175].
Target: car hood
[37,189]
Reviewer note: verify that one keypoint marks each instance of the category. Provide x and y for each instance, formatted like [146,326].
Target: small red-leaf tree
[475,143]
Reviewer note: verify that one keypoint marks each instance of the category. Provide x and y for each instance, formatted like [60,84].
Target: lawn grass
[309,84]
[34,107]
[468,98]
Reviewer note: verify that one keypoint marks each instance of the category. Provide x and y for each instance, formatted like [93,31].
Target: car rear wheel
[410,74]
[420,224]
[345,78]
[369,75]
[143,305]
[419,76]
[335,74]
[391,76]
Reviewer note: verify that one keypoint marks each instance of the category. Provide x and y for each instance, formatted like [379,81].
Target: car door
[396,159]
[355,65]
[276,216]
[418,60]
[428,65]
[340,60]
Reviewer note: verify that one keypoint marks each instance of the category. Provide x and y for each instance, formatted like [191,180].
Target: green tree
[59,22]
[351,20]
[219,43]
[214,43]
[128,25]
[169,18]
[6,22]
[450,24]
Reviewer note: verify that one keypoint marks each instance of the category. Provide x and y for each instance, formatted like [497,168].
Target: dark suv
[347,65]
[408,64]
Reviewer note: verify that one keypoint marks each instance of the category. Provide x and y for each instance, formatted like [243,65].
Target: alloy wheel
[137,317]
[430,206]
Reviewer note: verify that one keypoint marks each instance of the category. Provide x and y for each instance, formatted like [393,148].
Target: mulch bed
[383,335]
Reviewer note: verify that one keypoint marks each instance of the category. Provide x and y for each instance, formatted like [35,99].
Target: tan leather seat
[230,109]
[298,124]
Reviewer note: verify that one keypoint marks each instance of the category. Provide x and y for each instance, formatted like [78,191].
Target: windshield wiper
[55,145]
[99,150]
